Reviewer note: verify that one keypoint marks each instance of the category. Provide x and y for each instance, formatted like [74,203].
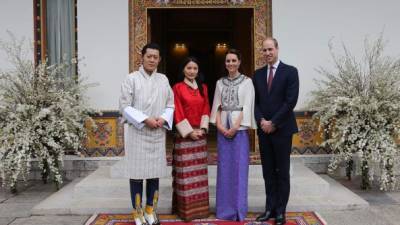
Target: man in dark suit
[276,92]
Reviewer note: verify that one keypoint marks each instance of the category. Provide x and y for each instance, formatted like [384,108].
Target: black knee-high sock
[152,186]
[136,187]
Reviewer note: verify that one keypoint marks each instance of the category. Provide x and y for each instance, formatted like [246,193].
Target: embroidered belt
[231,109]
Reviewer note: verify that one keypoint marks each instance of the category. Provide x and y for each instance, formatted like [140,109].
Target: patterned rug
[292,218]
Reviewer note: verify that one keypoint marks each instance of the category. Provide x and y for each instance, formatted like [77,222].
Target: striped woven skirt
[190,179]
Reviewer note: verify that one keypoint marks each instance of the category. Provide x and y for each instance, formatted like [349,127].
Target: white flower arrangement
[42,114]
[358,106]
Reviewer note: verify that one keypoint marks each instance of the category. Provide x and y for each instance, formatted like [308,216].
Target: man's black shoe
[280,219]
[265,216]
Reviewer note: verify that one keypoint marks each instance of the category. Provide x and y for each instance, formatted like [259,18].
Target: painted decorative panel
[107,140]
[309,137]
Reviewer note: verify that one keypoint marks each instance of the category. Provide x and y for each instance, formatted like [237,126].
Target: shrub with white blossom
[42,114]
[358,106]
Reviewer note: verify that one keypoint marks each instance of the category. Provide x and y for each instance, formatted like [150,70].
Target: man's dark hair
[151,46]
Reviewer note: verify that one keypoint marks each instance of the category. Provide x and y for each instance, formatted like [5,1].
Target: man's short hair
[274,40]
[151,46]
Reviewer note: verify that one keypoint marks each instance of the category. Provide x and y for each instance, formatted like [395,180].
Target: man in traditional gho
[147,105]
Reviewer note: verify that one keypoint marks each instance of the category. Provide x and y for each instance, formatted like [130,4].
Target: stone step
[99,193]
[99,184]
[338,198]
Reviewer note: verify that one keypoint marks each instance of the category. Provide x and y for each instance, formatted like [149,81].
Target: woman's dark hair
[238,55]
[199,78]
[235,52]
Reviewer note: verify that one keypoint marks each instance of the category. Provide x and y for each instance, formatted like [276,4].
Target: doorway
[205,33]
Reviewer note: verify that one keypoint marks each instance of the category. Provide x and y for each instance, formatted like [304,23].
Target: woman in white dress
[233,114]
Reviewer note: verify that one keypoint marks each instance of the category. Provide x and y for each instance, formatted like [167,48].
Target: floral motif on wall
[102,133]
[308,130]
[106,140]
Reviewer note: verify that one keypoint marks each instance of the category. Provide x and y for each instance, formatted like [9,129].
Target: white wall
[16,17]
[304,28]
[103,42]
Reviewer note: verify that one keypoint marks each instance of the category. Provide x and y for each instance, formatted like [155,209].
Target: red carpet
[292,218]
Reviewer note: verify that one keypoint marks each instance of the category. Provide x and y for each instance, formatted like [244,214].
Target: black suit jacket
[278,104]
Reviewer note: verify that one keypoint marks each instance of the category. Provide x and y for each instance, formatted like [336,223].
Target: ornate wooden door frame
[138,24]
